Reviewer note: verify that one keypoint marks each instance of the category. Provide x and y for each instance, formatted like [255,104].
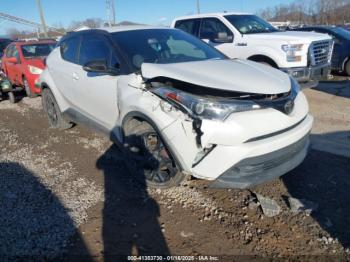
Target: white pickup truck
[303,55]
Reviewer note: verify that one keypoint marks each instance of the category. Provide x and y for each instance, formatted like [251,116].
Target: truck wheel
[27,88]
[150,161]
[347,67]
[53,112]
[12,97]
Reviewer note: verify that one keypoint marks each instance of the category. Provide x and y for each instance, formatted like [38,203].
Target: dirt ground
[67,194]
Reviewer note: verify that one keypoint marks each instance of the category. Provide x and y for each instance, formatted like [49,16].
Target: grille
[321,52]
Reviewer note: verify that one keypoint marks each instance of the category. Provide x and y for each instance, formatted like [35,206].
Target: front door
[96,94]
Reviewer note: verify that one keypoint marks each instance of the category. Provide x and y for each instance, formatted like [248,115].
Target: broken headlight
[206,108]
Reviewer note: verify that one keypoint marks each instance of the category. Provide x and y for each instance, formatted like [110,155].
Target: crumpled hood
[230,75]
[290,36]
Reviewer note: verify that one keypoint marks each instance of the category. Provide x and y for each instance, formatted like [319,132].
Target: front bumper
[309,76]
[260,169]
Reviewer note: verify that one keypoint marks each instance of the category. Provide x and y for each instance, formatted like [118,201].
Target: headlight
[291,50]
[205,108]
[35,70]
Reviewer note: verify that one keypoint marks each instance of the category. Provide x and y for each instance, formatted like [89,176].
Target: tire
[149,161]
[347,68]
[27,88]
[53,112]
[11,97]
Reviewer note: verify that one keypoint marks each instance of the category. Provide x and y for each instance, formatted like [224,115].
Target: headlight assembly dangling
[204,108]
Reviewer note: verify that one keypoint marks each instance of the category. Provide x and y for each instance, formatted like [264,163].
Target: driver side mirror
[12,60]
[222,37]
[100,66]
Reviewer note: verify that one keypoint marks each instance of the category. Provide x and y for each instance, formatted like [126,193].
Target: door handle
[75,76]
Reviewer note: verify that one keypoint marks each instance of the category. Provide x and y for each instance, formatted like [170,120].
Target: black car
[341,52]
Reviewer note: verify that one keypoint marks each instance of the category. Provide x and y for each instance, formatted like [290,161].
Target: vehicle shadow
[34,223]
[130,215]
[324,179]
[338,88]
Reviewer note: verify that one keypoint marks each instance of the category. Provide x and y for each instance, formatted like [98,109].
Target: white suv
[304,55]
[177,106]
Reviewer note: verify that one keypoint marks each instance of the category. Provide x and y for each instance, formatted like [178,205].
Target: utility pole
[110,7]
[42,18]
[198,7]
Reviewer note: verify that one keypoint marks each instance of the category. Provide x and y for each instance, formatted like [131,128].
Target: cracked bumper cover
[257,170]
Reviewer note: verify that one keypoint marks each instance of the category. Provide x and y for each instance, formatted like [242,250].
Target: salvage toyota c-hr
[177,106]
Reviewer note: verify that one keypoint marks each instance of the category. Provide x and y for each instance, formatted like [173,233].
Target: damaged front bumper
[260,169]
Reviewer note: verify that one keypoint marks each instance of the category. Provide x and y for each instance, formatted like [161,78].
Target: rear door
[63,64]
[96,94]
[12,69]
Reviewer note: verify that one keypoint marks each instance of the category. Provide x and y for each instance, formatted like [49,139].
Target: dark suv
[341,52]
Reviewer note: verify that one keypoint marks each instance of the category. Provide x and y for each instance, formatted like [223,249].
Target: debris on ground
[302,205]
[268,206]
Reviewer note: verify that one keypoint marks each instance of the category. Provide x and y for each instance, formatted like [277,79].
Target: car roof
[22,43]
[211,14]
[114,29]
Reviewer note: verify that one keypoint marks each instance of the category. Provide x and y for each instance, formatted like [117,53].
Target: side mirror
[100,66]
[12,60]
[222,37]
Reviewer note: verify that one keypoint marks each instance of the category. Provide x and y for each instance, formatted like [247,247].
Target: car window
[162,46]
[250,24]
[211,27]
[9,51]
[93,48]
[15,53]
[37,50]
[190,26]
[69,49]
[181,47]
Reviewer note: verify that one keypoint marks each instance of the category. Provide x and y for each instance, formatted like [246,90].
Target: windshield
[342,32]
[250,24]
[162,46]
[37,50]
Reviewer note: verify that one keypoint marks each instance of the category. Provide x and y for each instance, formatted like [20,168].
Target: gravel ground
[68,194]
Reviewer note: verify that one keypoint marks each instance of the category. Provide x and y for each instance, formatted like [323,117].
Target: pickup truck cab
[305,56]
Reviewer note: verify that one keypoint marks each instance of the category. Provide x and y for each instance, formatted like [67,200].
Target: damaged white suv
[178,106]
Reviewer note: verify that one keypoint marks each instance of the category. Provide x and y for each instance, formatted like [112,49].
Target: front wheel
[12,97]
[53,112]
[29,92]
[150,161]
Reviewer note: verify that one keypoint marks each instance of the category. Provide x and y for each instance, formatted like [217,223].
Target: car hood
[290,36]
[36,62]
[230,75]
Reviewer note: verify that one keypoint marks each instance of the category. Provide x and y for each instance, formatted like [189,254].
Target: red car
[23,62]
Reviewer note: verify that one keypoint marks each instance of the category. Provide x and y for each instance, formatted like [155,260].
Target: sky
[153,12]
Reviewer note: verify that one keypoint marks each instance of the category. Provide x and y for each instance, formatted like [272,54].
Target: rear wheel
[12,97]
[150,161]
[29,92]
[53,112]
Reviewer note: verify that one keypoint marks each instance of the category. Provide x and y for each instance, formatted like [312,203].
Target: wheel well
[263,58]
[140,117]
